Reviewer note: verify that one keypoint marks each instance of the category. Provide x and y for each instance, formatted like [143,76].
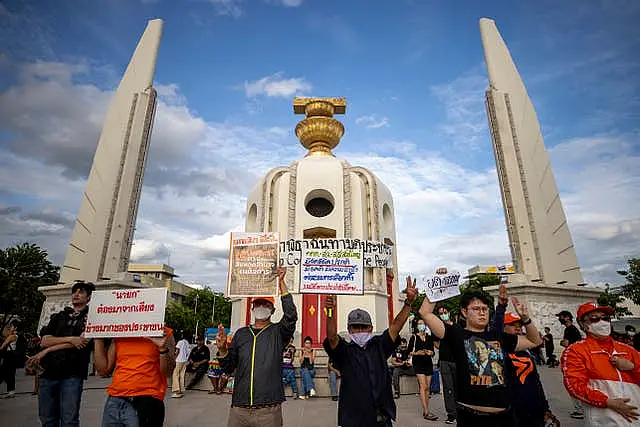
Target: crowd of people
[487,360]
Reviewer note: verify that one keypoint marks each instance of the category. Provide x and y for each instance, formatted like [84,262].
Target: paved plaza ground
[198,408]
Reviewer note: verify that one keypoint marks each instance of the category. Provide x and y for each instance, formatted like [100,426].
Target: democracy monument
[324,197]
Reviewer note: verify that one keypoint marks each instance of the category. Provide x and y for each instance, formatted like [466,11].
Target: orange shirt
[137,371]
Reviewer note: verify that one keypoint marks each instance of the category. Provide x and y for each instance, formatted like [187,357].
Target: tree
[631,289]
[183,316]
[24,268]
[613,300]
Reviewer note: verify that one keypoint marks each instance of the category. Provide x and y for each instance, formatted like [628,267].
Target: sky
[414,77]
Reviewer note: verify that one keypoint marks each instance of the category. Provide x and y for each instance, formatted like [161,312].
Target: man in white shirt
[182,358]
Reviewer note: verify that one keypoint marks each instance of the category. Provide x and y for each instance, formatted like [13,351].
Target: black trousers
[8,370]
[468,417]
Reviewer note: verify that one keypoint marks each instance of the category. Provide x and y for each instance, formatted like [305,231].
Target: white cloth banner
[123,313]
[440,286]
[331,271]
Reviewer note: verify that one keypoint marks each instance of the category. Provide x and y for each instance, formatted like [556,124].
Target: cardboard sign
[440,286]
[331,271]
[253,264]
[123,313]
[374,254]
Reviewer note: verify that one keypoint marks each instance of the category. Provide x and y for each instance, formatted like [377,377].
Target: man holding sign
[482,395]
[255,355]
[363,364]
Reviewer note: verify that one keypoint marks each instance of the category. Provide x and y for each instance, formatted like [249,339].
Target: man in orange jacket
[602,373]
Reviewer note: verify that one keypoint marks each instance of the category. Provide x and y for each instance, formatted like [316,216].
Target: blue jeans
[332,384]
[119,412]
[59,402]
[307,379]
[289,378]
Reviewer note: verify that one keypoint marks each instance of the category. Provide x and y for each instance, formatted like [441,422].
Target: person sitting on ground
[483,396]
[401,363]
[288,371]
[307,369]
[363,364]
[217,376]
[421,349]
[602,373]
[198,362]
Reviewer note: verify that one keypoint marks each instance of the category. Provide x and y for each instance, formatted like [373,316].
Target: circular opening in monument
[319,203]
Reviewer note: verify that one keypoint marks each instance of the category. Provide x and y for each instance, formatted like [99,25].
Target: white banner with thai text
[440,286]
[121,313]
[331,271]
[374,254]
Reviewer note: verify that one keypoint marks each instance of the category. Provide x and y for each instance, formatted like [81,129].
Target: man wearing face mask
[366,397]
[602,373]
[255,354]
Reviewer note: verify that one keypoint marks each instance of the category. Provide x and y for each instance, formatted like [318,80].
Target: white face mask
[261,313]
[600,328]
[361,338]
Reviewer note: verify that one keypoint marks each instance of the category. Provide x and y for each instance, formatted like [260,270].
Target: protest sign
[374,254]
[440,286]
[253,263]
[331,271]
[126,313]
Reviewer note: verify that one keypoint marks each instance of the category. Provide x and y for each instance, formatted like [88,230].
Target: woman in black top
[421,348]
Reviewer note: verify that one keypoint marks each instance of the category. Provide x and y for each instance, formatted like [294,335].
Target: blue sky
[414,77]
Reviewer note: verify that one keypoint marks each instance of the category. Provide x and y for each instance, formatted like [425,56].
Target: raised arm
[332,322]
[227,355]
[532,339]
[287,324]
[501,309]
[401,318]
[433,322]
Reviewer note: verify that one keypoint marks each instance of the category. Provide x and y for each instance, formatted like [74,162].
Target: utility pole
[196,312]
[213,310]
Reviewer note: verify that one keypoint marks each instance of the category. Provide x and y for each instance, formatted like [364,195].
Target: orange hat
[589,307]
[272,300]
[510,318]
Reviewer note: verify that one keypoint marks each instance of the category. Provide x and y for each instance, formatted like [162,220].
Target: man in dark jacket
[67,365]
[255,355]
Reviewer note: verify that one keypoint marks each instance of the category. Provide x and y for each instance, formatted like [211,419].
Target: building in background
[160,276]
[498,270]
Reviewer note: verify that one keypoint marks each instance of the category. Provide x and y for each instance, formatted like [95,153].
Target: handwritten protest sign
[374,254]
[441,286]
[333,271]
[253,263]
[126,313]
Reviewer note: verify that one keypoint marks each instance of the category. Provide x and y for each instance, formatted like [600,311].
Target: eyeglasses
[595,319]
[479,309]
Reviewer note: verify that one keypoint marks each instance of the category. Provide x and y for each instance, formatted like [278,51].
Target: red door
[314,318]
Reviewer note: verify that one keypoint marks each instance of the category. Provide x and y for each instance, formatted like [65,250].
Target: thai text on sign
[440,286]
[331,271]
[126,313]
[374,254]
[253,264]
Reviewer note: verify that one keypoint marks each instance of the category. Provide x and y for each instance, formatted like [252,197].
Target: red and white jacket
[590,377]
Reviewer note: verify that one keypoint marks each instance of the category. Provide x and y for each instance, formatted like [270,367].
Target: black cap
[565,313]
[88,287]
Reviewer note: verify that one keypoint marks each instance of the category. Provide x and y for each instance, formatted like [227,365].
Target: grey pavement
[198,408]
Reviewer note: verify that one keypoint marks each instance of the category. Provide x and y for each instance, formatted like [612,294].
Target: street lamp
[197,320]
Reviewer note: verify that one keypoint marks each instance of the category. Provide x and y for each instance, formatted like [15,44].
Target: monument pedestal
[59,296]
[545,301]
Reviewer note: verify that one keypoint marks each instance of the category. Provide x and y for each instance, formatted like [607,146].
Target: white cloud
[291,3]
[373,121]
[227,7]
[277,86]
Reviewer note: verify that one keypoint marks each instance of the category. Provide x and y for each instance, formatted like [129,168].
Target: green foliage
[183,317]
[23,268]
[613,300]
[631,289]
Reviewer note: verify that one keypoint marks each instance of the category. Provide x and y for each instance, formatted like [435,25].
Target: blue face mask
[361,338]
[422,328]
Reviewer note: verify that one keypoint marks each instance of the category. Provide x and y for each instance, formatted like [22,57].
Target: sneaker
[334,398]
[450,420]
[577,415]
[396,395]
[302,397]
[312,392]
[9,395]
[177,395]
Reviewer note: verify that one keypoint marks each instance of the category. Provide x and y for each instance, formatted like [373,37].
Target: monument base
[545,301]
[59,296]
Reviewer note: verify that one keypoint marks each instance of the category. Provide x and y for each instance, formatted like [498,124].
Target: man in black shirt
[482,394]
[67,364]
[198,361]
[571,335]
[401,365]
[549,347]
[366,398]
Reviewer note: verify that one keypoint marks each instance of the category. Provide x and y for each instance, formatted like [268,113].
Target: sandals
[430,417]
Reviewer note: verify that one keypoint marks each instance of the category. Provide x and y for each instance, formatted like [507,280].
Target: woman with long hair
[307,369]
[421,350]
